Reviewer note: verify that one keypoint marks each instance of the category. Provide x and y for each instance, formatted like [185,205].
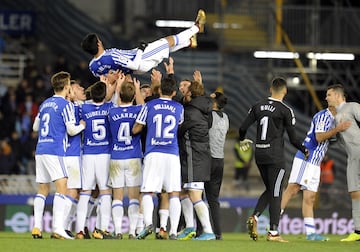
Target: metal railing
[12,68]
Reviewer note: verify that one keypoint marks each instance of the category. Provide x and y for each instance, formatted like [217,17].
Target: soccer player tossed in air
[143,58]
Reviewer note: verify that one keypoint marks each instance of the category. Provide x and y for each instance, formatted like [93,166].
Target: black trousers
[273,178]
[212,191]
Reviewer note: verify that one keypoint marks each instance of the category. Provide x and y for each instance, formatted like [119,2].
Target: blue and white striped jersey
[54,113]
[322,121]
[124,144]
[112,59]
[97,131]
[161,117]
[74,142]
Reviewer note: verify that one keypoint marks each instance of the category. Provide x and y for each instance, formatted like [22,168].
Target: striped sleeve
[141,119]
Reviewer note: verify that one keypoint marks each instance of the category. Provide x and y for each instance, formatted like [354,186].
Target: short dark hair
[127,92]
[98,91]
[60,80]
[168,86]
[338,88]
[278,84]
[220,99]
[89,43]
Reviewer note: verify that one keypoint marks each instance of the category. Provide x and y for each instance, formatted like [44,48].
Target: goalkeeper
[272,117]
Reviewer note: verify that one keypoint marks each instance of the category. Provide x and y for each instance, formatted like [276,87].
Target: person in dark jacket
[195,159]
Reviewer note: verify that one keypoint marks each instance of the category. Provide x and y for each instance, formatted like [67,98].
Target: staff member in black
[272,117]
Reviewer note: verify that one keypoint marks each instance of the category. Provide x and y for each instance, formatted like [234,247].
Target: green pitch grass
[232,242]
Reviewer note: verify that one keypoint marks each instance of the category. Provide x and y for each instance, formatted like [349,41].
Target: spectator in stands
[7,157]
[9,112]
[29,152]
[83,74]
[18,151]
[327,177]
[243,161]
[61,64]
[22,89]
[28,108]
[40,91]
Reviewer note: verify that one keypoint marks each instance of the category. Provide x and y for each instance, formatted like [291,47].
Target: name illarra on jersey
[124,144]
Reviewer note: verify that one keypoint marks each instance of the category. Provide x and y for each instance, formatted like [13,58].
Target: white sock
[105,211]
[133,213]
[81,212]
[58,212]
[175,212]
[39,205]
[148,209]
[188,212]
[91,204]
[182,39]
[202,212]
[98,215]
[164,216]
[72,216]
[69,203]
[117,215]
[309,225]
[140,223]
[356,213]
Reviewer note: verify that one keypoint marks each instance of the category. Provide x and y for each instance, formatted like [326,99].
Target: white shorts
[125,172]
[305,174]
[73,165]
[49,168]
[194,186]
[154,54]
[95,171]
[161,172]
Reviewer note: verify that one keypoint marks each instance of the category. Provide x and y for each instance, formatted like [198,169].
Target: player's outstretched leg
[252,228]
[199,22]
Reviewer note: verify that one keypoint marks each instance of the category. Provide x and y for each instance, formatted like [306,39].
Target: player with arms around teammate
[95,160]
[305,174]
[55,120]
[126,155]
[273,117]
[73,157]
[162,171]
[140,59]
[349,138]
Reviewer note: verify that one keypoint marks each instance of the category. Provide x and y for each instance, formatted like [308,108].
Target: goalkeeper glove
[244,145]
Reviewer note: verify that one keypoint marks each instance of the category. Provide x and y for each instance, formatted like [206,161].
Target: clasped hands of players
[245,144]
